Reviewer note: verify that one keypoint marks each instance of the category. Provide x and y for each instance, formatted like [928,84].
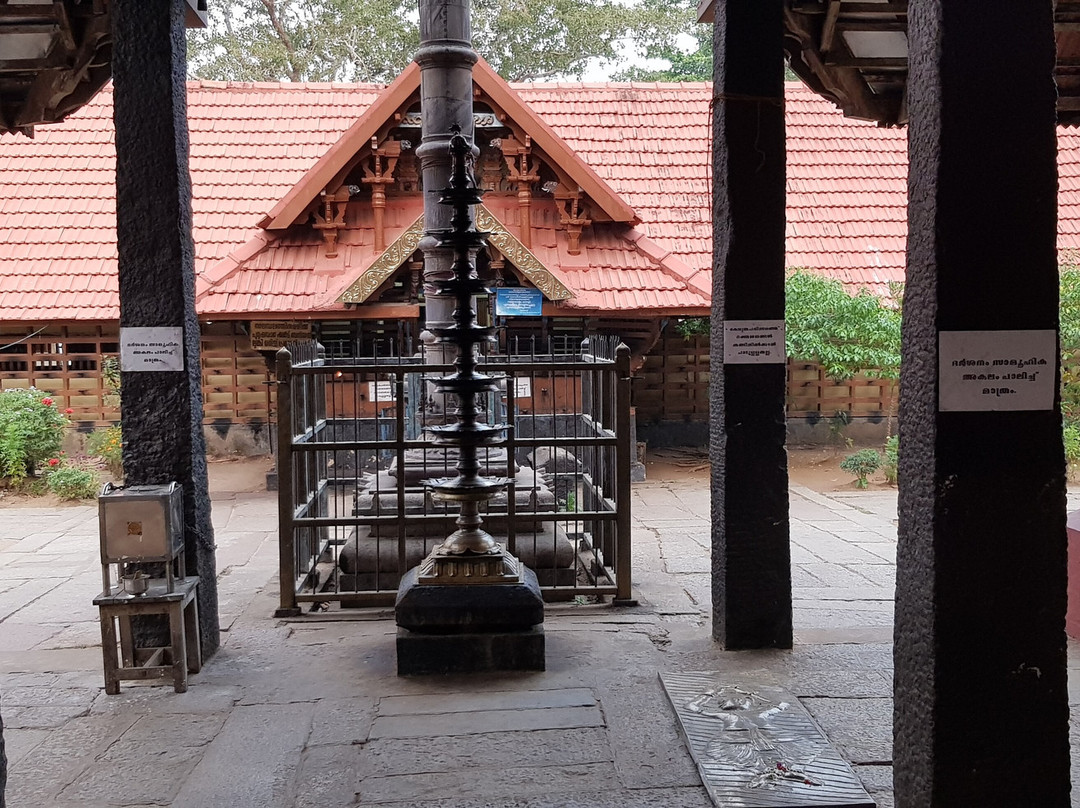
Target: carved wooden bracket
[416,269]
[332,217]
[572,214]
[378,175]
[523,171]
[497,262]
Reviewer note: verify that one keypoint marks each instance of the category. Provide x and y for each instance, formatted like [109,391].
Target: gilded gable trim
[408,242]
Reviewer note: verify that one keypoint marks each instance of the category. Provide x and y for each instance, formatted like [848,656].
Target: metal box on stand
[142,524]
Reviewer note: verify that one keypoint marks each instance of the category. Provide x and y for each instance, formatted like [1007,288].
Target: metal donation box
[142,523]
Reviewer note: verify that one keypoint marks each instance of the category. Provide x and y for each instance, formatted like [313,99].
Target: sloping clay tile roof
[249,146]
[251,143]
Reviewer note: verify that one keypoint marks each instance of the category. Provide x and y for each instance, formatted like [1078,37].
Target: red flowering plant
[31,431]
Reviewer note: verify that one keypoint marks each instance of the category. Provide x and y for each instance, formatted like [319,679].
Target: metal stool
[181,656]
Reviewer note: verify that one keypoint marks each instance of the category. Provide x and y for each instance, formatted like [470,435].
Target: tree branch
[283,35]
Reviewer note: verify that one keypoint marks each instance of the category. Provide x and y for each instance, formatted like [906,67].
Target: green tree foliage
[683,64]
[1070,342]
[374,40]
[693,65]
[846,334]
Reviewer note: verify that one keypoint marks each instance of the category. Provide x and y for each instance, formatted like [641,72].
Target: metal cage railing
[354,509]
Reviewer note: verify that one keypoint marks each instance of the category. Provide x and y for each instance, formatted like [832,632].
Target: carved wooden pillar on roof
[416,268]
[490,168]
[380,174]
[332,217]
[497,262]
[523,172]
[408,174]
[572,214]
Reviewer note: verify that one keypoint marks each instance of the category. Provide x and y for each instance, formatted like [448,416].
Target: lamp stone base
[423,654]
[465,628]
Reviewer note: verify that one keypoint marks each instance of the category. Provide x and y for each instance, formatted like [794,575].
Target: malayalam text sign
[149,349]
[754,342]
[518,301]
[272,335]
[996,371]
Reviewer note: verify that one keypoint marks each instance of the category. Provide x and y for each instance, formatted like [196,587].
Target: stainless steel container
[141,523]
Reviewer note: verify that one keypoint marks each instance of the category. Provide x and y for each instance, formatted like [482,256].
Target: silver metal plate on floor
[757,747]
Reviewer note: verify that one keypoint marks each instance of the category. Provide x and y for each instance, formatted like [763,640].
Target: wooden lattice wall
[234,377]
[811,391]
[673,382]
[65,361]
[673,385]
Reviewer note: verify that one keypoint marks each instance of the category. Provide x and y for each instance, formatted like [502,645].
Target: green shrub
[70,482]
[689,327]
[108,445]
[891,463]
[31,430]
[1071,436]
[862,464]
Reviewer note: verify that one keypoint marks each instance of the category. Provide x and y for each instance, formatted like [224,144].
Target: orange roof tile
[649,143]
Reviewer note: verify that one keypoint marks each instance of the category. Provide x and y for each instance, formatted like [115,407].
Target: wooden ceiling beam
[844,86]
[851,8]
[27,27]
[32,65]
[866,62]
[828,30]
[871,25]
[43,12]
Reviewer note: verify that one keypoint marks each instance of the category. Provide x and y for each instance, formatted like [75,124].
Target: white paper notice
[145,349]
[989,371]
[381,391]
[754,342]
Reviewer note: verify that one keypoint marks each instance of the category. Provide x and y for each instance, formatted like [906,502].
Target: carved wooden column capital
[378,175]
[572,214]
[524,171]
[331,218]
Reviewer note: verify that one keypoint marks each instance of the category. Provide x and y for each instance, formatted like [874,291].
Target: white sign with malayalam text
[381,391]
[996,371]
[148,349]
[754,342]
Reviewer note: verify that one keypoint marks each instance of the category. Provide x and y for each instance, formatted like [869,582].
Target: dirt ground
[231,475]
[815,467]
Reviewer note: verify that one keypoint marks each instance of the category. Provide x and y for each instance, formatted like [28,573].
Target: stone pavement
[309,712]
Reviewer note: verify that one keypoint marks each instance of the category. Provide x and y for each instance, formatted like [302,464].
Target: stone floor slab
[494,784]
[252,761]
[433,726]
[487,700]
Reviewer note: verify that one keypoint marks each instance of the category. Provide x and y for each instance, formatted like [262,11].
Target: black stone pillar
[161,410]
[981,713]
[751,555]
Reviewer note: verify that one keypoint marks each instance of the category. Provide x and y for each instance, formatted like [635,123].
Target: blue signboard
[518,301]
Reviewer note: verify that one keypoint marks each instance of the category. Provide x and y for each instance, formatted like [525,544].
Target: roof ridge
[223,268]
[320,86]
[668,262]
[609,85]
